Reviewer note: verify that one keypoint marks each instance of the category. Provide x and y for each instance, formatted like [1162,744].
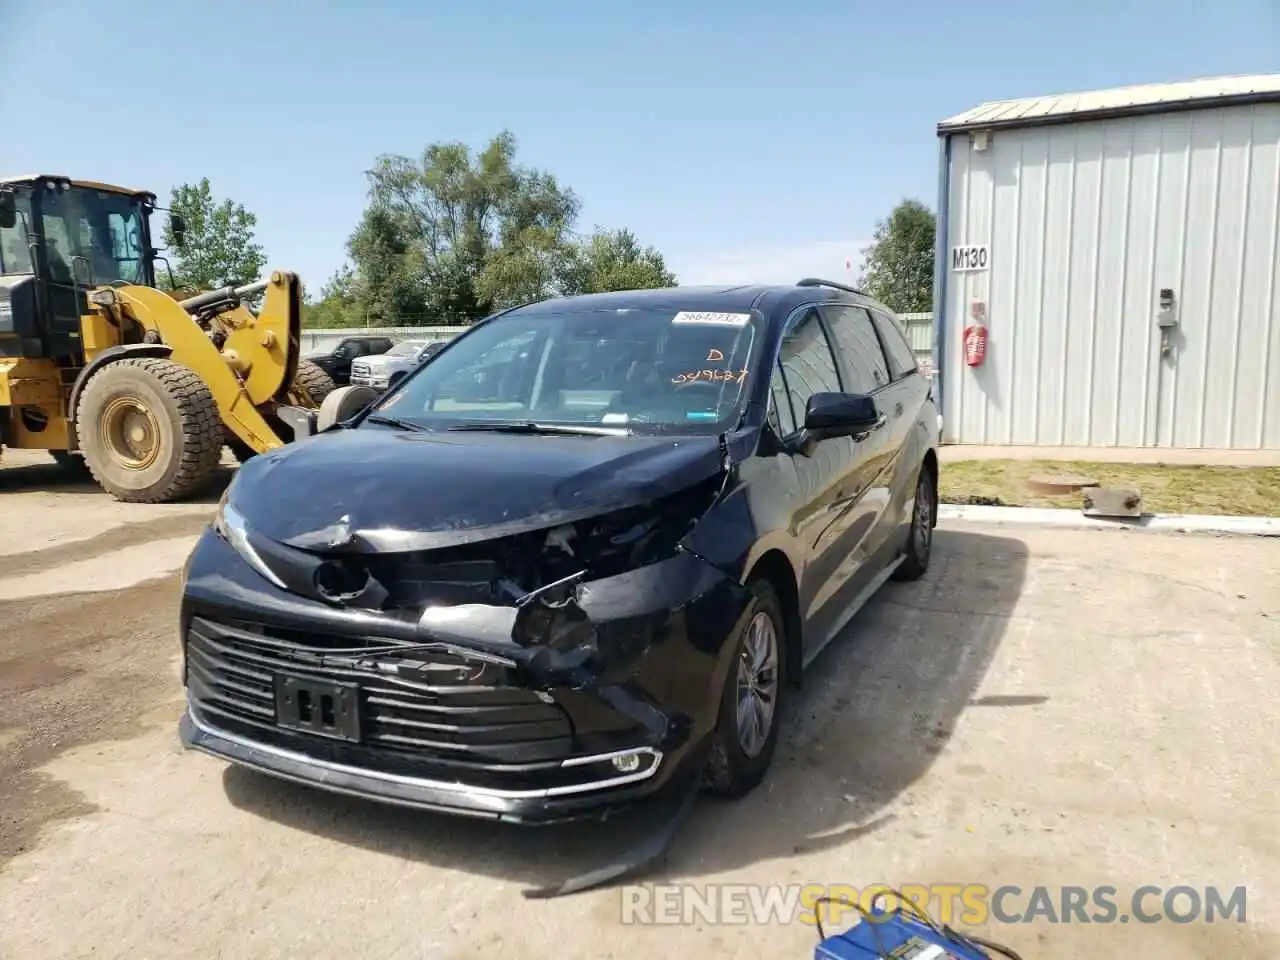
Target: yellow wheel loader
[101,368]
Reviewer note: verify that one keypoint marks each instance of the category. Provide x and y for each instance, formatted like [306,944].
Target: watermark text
[955,904]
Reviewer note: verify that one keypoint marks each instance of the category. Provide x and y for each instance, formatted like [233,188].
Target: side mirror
[8,210]
[178,227]
[840,415]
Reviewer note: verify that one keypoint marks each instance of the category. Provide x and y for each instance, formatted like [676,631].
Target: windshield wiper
[566,429]
[394,422]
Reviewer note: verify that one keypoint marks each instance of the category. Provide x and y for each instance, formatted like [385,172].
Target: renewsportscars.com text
[956,904]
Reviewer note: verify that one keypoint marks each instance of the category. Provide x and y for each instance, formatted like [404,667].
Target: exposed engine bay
[510,571]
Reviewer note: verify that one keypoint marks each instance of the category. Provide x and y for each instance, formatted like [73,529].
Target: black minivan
[583,554]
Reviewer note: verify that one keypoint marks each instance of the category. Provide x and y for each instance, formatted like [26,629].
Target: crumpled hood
[375,489]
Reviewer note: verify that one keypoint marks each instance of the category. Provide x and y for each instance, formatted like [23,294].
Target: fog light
[627,763]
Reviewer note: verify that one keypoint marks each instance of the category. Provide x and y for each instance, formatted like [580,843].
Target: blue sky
[744,140]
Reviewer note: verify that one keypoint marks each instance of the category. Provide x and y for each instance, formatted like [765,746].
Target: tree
[614,260]
[337,305]
[218,249]
[898,266]
[452,236]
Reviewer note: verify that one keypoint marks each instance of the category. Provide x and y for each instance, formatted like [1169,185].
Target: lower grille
[232,673]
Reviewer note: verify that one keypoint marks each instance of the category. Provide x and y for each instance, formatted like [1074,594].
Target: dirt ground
[1046,707]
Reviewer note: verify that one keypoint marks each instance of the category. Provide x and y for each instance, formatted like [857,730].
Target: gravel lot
[1046,707]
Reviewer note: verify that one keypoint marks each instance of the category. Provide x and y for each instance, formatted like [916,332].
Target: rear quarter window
[902,359]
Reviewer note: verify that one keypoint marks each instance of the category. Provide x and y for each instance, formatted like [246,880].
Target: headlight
[230,525]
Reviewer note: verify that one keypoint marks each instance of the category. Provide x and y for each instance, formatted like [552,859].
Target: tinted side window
[859,347]
[902,359]
[808,365]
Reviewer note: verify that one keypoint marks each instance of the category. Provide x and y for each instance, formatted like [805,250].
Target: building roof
[1116,102]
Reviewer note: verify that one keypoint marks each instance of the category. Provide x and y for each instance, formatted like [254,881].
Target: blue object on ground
[895,935]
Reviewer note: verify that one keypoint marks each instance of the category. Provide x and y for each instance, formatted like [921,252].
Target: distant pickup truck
[385,370]
[337,361]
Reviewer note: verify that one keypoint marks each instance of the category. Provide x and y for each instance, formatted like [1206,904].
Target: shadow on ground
[878,707]
[52,478]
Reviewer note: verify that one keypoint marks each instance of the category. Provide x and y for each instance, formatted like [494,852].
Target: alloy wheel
[757,684]
[923,531]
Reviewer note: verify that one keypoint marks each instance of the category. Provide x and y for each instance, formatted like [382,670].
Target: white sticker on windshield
[615,418]
[712,319]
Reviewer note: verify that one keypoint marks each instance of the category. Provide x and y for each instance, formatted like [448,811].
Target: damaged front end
[554,672]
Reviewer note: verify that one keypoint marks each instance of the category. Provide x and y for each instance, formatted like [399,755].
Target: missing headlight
[341,580]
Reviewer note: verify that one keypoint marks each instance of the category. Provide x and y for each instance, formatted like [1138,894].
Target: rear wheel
[746,731]
[149,430]
[920,539]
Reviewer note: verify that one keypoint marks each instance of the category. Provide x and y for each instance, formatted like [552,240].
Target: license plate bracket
[325,708]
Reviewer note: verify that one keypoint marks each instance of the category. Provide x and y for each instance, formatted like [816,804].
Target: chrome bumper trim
[452,787]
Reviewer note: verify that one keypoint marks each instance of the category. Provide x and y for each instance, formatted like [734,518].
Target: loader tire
[149,430]
[315,381]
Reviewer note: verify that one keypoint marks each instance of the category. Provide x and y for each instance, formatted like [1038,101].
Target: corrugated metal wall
[1086,223]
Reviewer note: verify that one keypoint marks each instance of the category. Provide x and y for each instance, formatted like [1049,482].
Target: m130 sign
[974,257]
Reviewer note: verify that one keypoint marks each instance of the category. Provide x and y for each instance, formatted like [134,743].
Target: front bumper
[532,743]
[529,805]
[377,381]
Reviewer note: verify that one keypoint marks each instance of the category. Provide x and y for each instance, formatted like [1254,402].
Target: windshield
[15,255]
[649,369]
[406,349]
[103,229]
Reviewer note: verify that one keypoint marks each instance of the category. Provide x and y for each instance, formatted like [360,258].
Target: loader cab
[58,240]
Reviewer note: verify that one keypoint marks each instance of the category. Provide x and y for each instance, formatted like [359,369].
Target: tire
[174,435]
[735,768]
[395,378]
[71,463]
[924,515]
[312,378]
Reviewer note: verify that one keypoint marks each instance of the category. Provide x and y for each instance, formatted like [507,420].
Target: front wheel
[149,430]
[746,732]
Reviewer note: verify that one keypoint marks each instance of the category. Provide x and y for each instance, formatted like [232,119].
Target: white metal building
[1121,249]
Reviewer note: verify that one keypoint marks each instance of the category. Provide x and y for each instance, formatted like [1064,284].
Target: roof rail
[817,282]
